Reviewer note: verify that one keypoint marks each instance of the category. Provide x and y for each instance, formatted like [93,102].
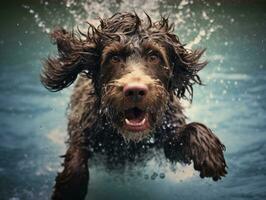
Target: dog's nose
[135,91]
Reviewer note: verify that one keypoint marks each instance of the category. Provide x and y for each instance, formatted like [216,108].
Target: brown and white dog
[132,74]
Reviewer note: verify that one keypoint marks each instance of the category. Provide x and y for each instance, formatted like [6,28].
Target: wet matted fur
[131,75]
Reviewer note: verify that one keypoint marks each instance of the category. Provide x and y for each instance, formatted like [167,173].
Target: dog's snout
[135,91]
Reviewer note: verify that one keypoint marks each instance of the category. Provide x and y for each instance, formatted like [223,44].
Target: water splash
[193,26]
[183,15]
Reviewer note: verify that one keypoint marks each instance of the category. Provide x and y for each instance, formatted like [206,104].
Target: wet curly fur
[103,60]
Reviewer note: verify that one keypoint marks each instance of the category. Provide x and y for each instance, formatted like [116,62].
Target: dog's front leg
[196,142]
[72,182]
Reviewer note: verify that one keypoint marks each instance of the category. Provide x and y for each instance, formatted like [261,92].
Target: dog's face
[134,78]
[136,67]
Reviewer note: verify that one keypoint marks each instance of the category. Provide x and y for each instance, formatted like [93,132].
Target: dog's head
[136,66]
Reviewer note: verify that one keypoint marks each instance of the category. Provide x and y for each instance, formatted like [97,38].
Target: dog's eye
[115,59]
[154,58]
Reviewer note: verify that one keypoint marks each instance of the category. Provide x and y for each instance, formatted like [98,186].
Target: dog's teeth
[127,121]
[136,124]
[143,121]
[130,123]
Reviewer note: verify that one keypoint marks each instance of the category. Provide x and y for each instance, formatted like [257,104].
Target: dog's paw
[210,164]
[206,151]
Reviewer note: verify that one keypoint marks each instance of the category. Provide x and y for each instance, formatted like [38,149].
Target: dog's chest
[111,146]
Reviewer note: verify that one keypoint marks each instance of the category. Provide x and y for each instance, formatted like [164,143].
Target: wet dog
[131,74]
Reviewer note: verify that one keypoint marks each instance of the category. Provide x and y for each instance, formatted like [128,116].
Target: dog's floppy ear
[75,55]
[186,65]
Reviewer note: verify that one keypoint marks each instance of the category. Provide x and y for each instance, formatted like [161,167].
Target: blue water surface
[232,102]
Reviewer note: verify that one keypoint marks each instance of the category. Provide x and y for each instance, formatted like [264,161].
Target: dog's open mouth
[136,120]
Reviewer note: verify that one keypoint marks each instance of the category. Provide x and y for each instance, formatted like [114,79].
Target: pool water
[232,102]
